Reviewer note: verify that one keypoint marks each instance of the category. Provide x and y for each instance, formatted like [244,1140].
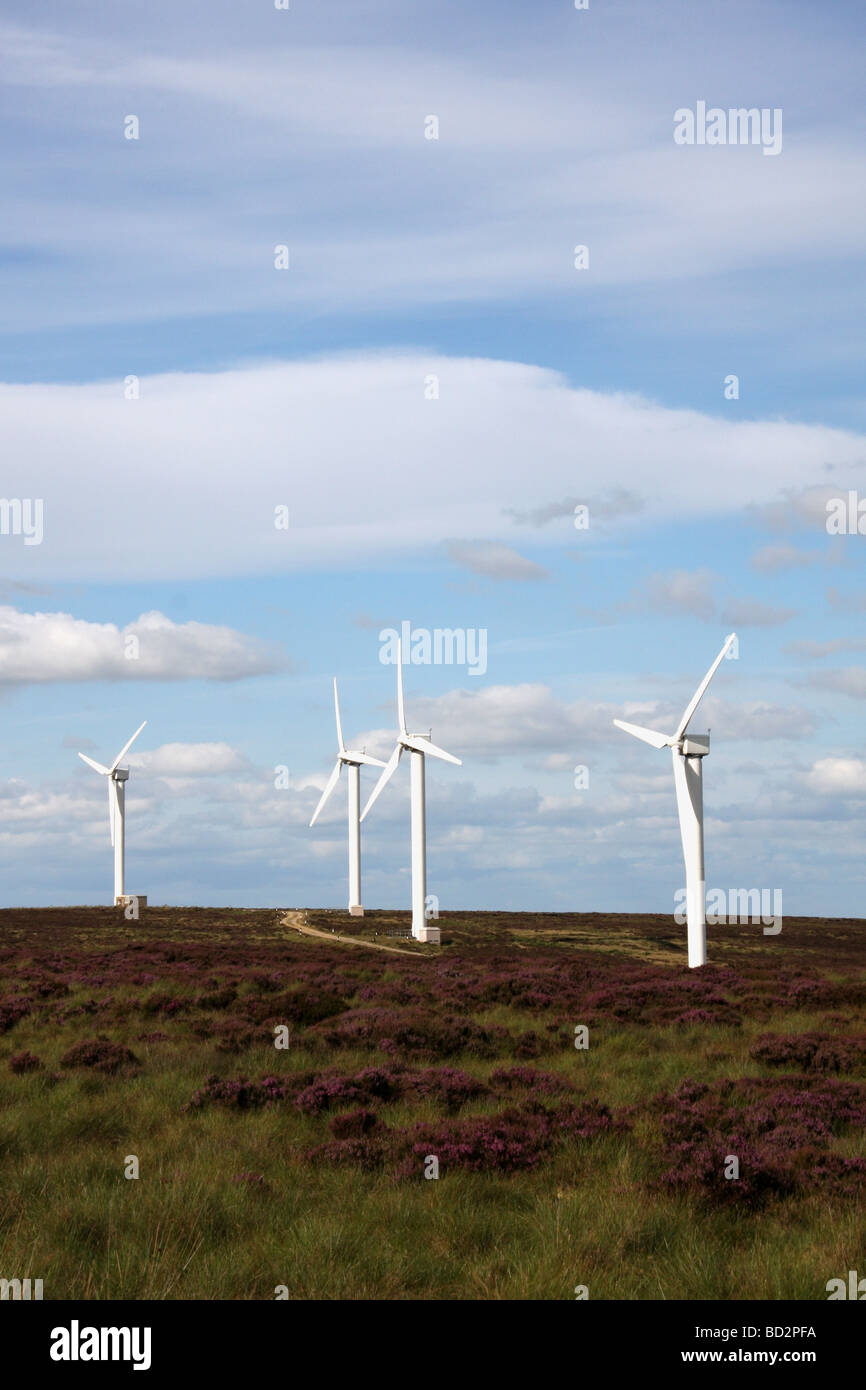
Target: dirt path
[298,922]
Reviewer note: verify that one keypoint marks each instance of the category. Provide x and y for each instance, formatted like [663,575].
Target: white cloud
[838,777]
[368,468]
[180,760]
[41,647]
[502,719]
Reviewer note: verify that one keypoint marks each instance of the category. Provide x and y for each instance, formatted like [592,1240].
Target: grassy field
[304,1166]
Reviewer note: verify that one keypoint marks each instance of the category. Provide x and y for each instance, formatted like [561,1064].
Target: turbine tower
[117,779]
[353,762]
[688,751]
[418,749]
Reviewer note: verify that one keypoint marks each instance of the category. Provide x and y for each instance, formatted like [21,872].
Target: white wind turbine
[353,762]
[688,752]
[418,749]
[117,779]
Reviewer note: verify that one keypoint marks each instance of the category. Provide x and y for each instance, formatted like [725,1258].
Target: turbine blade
[387,774]
[340,744]
[111,809]
[366,758]
[401,707]
[648,735]
[699,693]
[423,745]
[126,747]
[331,784]
[91,763]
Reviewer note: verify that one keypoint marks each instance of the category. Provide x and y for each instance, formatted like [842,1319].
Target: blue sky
[413,260]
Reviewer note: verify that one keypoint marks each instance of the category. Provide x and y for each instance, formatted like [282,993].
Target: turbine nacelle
[695,746]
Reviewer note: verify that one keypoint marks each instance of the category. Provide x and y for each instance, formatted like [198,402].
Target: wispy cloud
[492,560]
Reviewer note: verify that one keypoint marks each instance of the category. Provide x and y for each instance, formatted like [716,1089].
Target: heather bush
[47,987]
[331,1089]
[780,1132]
[528,1079]
[815,1052]
[260,983]
[233,1035]
[529,1045]
[587,1120]
[367,1153]
[701,1167]
[161,1003]
[450,1088]
[412,1033]
[353,1125]
[665,997]
[12,1009]
[218,998]
[302,1007]
[99,1054]
[517,1138]
[242,1094]
[514,1140]
[24,1062]
[85,1008]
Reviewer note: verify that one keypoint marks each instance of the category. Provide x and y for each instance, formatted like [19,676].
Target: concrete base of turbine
[428,933]
[124,899]
[356,910]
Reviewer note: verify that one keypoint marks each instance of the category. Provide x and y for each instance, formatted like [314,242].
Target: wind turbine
[353,762]
[117,779]
[688,751]
[418,749]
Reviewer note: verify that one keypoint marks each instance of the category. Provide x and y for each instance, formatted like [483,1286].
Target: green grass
[187,1229]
